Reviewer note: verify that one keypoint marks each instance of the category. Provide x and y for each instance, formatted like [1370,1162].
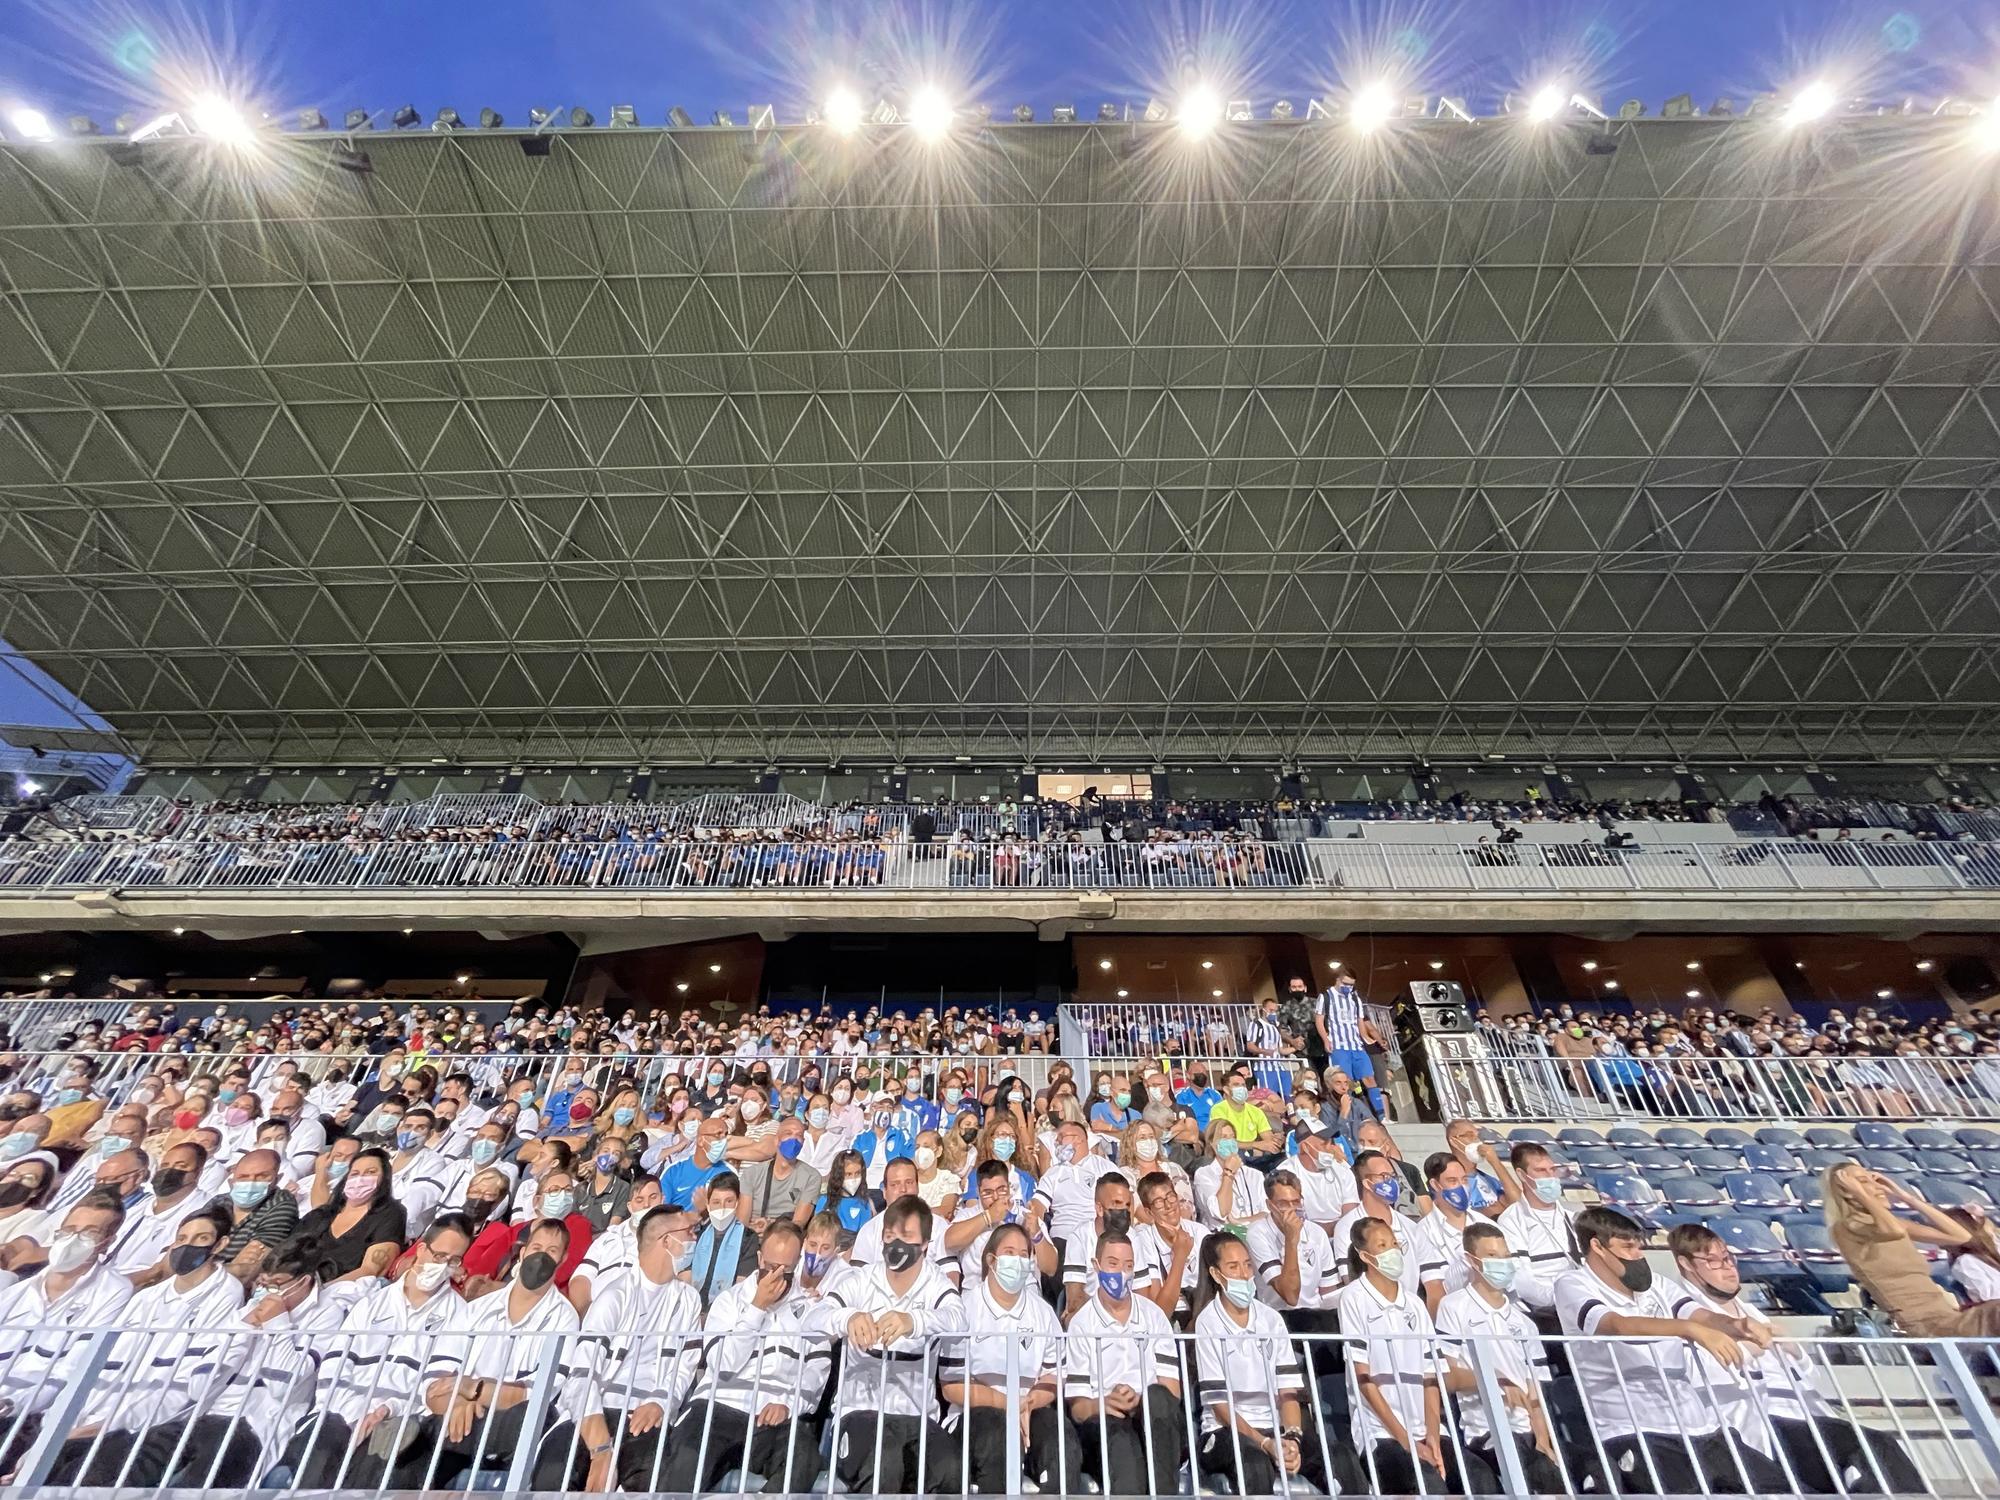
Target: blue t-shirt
[1198,1102]
[852,1212]
[684,1179]
[892,1143]
[1105,1112]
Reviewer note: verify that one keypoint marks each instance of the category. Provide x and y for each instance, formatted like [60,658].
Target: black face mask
[1636,1275]
[1117,1221]
[537,1270]
[901,1255]
[13,1193]
[476,1209]
[185,1258]
[169,1180]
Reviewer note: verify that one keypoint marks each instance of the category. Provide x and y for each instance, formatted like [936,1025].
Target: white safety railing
[1344,866]
[1532,1084]
[815,1398]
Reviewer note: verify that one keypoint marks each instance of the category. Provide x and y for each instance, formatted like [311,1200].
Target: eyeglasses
[1721,1260]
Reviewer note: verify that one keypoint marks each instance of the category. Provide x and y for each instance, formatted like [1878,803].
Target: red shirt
[489,1250]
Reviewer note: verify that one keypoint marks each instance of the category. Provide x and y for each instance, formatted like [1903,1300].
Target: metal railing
[1534,1085]
[1345,866]
[810,1400]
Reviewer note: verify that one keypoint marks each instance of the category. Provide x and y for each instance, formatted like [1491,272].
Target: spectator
[1881,1249]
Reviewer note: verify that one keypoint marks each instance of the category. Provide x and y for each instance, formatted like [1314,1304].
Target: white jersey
[1545,1241]
[1244,1368]
[642,1341]
[1629,1385]
[1147,1241]
[1246,1196]
[899,1380]
[493,1345]
[1506,1337]
[1069,1193]
[377,1354]
[145,1235]
[981,1358]
[867,1248]
[1392,1339]
[1103,1353]
[753,1357]
[1319,1269]
[1773,1383]
[170,1332]
[1406,1241]
[39,1354]
[1440,1249]
[1328,1193]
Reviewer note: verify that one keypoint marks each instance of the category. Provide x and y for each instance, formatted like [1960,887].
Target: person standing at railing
[1881,1248]
[1346,1033]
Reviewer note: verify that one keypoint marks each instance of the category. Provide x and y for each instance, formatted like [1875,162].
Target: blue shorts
[1355,1065]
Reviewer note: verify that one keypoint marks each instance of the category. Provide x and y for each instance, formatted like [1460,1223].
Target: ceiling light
[1063,114]
[1694,963]
[312,119]
[930,114]
[1590,966]
[218,119]
[1883,994]
[1104,963]
[1693,994]
[1208,963]
[1924,966]
[1123,993]
[1216,993]
[1375,105]
[408,930]
[31,123]
[1798,963]
[1611,984]
[715,968]
[682,986]
[842,111]
[179,930]
[1809,103]
[1436,964]
[464,979]
[1547,103]
[1200,112]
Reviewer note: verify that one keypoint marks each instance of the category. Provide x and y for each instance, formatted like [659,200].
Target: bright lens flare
[31,123]
[218,119]
[1986,129]
[1809,103]
[1547,104]
[842,111]
[930,114]
[1200,113]
[1373,106]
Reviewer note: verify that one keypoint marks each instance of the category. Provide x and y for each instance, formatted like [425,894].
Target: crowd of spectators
[871,1206]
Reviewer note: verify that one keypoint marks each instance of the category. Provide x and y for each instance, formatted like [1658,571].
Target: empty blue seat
[1729,1136]
[1580,1135]
[1655,1158]
[1691,1190]
[1955,1192]
[1756,1190]
[1533,1133]
[1679,1137]
[1991,1182]
[1930,1138]
[1806,1191]
[1880,1159]
[1944,1164]
[1665,1219]
[1881,1135]
[1758,1251]
[1833,1137]
[1819,1158]
[1779,1135]
[1818,1256]
[1972,1138]
[1631,1194]
[1716,1158]
[1758,1157]
[1599,1159]
[1629,1135]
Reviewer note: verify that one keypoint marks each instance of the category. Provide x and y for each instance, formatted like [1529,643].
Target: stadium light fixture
[180,931]
[1611,984]
[1216,993]
[464,980]
[1810,103]
[448,119]
[215,117]
[843,111]
[1024,114]
[680,119]
[1122,994]
[1208,963]
[312,119]
[491,119]
[1692,994]
[1373,107]
[715,968]
[1546,103]
[1693,964]
[82,125]
[624,117]
[1063,114]
[581,118]
[930,113]
[682,986]
[30,124]
[1590,966]
[358,119]
[1282,110]
[1200,112]
[1924,966]
[1436,964]
[1884,994]
[406,117]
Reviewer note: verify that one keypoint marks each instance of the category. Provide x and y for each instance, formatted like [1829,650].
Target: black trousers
[1397,1472]
[1254,1472]
[878,1452]
[214,1452]
[562,1462]
[1865,1462]
[323,1456]
[690,1469]
[20,1435]
[1115,1449]
[488,1446]
[1685,1465]
[1050,1457]
[1544,1476]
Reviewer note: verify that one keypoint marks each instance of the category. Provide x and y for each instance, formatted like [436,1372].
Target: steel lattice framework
[1060,442]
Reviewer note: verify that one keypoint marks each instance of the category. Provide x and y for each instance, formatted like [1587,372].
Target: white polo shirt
[1406,1241]
[1507,1338]
[1141,1353]
[1629,1385]
[1395,1343]
[981,1357]
[1319,1269]
[867,1249]
[1328,1193]
[1440,1249]
[1080,1254]
[1071,1195]
[1770,1384]
[1246,1198]
[1244,1368]
[492,1346]
[1149,1243]
[1545,1241]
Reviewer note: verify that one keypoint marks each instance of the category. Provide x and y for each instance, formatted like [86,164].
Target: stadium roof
[1057,442]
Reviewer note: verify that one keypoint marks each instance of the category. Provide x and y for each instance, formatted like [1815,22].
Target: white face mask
[431,1276]
[70,1252]
[751,1108]
[926,1158]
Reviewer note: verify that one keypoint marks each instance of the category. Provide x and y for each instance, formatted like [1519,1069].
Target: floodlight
[312,119]
[1107,112]
[1155,112]
[1723,108]
[1632,109]
[540,117]
[1986,129]
[1200,112]
[843,111]
[1282,110]
[1063,114]
[1809,103]
[581,118]
[82,125]
[491,119]
[1680,107]
[448,119]
[217,118]
[624,117]
[405,117]
[723,118]
[1375,105]
[1547,103]
[31,124]
[680,118]
[1024,114]
[357,119]
[930,113]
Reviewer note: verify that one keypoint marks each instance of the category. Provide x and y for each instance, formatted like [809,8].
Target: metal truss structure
[1665,438]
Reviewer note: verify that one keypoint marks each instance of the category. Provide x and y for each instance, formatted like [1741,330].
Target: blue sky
[98,58]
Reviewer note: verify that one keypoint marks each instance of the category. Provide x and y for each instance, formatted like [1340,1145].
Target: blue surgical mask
[1239,1095]
[557,1205]
[1226,1146]
[818,1118]
[223,1096]
[789,1149]
[483,1152]
[70,1096]
[1388,1189]
[409,1140]
[816,1263]
[1011,1271]
[335,1170]
[111,1145]
[686,1254]
[1548,1189]
[1113,1284]
[1455,1198]
[1499,1270]
[247,1195]
[623,1115]
[715,1149]
[1239,1290]
[1003,1148]
[606,1161]
[1065,1153]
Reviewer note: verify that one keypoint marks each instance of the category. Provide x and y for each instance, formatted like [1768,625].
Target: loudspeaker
[1437,1008]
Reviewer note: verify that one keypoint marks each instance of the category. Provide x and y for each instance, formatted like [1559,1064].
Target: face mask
[17,1144]
[409,1140]
[751,1108]
[623,1115]
[1239,1291]
[1123,1101]
[430,1276]
[1146,1148]
[360,1189]
[1390,1264]
[223,1096]
[476,1209]
[1225,1147]
[185,1258]
[818,1118]
[1549,1189]
[1456,1198]
[483,1152]
[842,1095]
[1011,1271]
[1636,1275]
[690,1128]
[1239,1095]
[1499,1270]
[606,1161]
[715,1080]
[788,1150]
[901,1255]
[1104,1091]
[13,1194]
[1003,1148]
[926,1158]
[1118,1220]
[70,1252]
[537,1270]
[335,1170]
[69,1096]
[111,1145]
[851,1186]
[1065,1153]
[715,1149]
[247,1195]
[1112,1284]
[952,1096]
[1388,1189]
[557,1205]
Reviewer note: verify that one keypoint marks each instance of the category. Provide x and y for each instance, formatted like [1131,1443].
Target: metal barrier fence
[817,1397]
[1347,866]
[1154,1028]
[1539,1086]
